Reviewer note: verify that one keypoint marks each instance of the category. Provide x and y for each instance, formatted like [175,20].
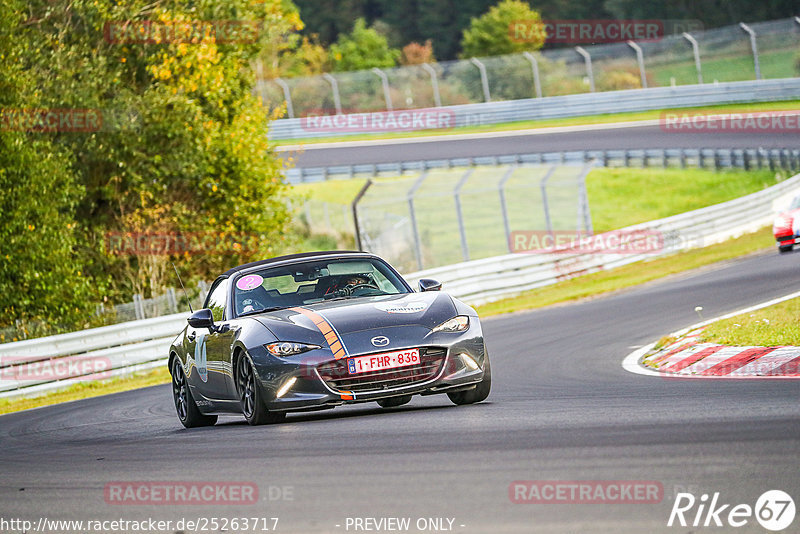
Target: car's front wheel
[785,248]
[479,392]
[188,412]
[250,396]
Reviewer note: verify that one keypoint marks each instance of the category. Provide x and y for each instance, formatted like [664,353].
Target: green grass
[774,64]
[649,194]
[773,326]
[655,193]
[630,275]
[89,389]
[549,123]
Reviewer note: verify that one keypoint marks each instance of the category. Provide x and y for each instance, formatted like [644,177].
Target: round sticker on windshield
[251,281]
[402,307]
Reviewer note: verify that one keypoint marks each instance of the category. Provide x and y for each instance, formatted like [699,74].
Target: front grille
[336,375]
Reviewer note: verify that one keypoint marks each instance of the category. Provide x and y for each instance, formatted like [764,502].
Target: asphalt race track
[606,138]
[562,408]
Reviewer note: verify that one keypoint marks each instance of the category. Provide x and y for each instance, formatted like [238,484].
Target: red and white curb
[686,358]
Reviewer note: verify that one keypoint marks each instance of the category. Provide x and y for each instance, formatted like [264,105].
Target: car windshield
[314,281]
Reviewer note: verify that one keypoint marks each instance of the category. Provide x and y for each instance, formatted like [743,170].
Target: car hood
[405,319]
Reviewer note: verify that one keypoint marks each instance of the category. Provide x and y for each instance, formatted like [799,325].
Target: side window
[216,299]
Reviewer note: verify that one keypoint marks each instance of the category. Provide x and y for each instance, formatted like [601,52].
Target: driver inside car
[345,286]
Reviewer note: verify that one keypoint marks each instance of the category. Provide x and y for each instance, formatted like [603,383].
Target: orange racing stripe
[327,330]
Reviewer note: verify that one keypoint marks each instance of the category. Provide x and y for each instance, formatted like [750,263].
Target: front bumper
[786,240]
[314,387]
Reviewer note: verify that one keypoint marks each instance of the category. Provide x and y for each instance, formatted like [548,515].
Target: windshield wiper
[262,310]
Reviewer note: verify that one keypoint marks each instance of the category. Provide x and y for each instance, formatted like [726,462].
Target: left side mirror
[427,284]
[202,319]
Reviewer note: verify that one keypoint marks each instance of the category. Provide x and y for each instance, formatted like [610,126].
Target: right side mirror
[427,284]
[202,319]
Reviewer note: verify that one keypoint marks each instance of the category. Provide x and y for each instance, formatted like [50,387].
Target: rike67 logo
[774,510]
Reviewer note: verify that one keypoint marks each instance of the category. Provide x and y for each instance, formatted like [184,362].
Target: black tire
[394,402]
[188,412]
[784,249]
[479,393]
[250,396]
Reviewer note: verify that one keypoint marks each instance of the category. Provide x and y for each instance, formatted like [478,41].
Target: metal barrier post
[535,68]
[640,60]
[462,232]
[484,79]
[172,302]
[385,84]
[354,205]
[138,306]
[545,205]
[287,95]
[696,51]
[588,60]
[753,46]
[437,98]
[504,205]
[583,198]
[412,212]
[337,101]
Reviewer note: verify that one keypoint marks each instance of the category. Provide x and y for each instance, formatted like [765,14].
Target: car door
[212,347]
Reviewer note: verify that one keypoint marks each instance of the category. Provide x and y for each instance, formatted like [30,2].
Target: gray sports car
[318,330]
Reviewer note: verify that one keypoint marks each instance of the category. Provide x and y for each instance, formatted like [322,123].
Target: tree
[363,48]
[330,18]
[184,148]
[417,54]
[285,52]
[510,26]
[40,276]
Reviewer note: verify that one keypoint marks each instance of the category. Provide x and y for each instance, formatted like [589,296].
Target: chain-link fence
[719,55]
[446,216]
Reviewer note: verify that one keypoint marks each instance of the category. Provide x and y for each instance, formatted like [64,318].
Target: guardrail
[129,347]
[716,158]
[38,365]
[554,107]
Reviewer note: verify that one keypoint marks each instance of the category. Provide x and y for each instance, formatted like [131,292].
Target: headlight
[456,324]
[289,348]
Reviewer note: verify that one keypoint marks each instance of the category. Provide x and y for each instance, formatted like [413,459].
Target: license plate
[386,360]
